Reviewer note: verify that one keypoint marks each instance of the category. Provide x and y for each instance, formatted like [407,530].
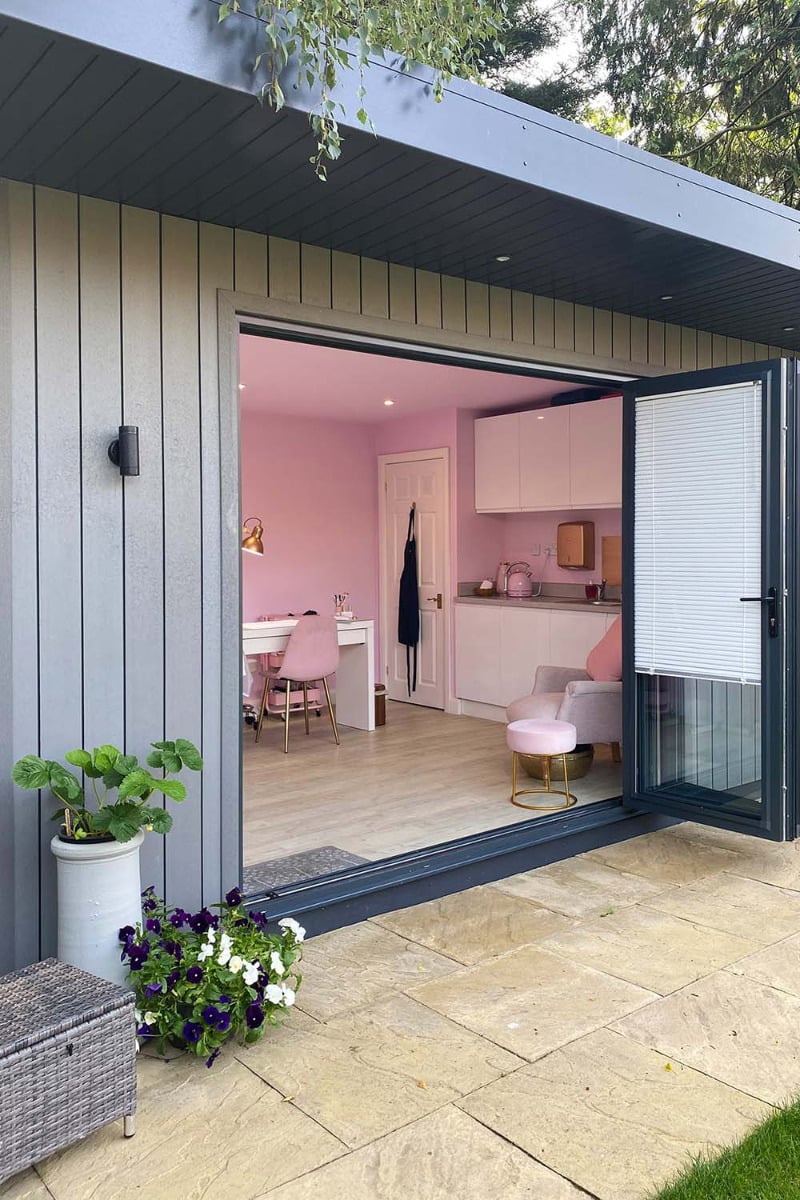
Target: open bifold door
[709,630]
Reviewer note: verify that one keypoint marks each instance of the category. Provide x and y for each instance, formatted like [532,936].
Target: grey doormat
[280,872]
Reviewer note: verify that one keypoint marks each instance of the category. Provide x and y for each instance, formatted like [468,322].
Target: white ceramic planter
[99,891]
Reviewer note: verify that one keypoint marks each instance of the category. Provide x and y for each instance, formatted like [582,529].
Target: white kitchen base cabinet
[499,647]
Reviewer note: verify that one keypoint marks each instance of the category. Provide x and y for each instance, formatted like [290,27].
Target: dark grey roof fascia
[472,126]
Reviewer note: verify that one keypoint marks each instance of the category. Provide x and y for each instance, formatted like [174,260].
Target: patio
[579,1030]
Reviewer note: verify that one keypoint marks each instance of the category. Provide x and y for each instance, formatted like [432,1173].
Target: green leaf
[170,787]
[63,783]
[125,821]
[155,758]
[189,753]
[158,818]
[135,784]
[163,745]
[102,819]
[31,773]
[172,762]
[113,778]
[79,758]
[126,763]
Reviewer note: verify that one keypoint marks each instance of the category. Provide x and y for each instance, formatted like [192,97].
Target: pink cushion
[541,737]
[604,663]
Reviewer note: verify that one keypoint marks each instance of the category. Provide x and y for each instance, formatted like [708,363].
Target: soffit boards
[88,118]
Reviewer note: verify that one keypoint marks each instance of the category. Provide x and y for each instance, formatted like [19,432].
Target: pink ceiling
[349,385]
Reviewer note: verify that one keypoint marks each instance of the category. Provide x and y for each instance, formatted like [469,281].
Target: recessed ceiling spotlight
[540,418]
[502,258]
[668,296]
[242,386]
[788,328]
[388,403]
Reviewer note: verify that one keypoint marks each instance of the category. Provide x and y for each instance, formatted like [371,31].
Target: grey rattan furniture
[67,1060]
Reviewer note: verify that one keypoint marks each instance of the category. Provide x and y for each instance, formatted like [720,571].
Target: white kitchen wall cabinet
[595,454]
[478,632]
[551,459]
[544,458]
[497,463]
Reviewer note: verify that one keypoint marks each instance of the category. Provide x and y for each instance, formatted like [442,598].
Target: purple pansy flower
[153,925]
[233,898]
[144,1030]
[224,1022]
[224,1000]
[172,979]
[153,989]
[210,1059]
[254,1016]
[211,1015]
[192,1032]
[179,918]
[195,975]
[126,933]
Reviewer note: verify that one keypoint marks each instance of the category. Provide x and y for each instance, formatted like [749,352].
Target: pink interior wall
[314,484]
[522,531]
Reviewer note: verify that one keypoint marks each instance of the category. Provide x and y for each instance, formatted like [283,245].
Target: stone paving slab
[614,1116]
[663,858]
[733,904]
[580,887]
[446,1156]
[778,966]
[531,1001]
[474,925]
[366,1073]
[732,1028]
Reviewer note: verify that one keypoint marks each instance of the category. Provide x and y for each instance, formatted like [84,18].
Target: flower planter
[99,891]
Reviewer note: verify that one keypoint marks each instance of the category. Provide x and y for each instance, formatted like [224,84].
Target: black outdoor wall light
[124,450]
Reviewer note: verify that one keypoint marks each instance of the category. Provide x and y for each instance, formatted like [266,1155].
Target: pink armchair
[589,698]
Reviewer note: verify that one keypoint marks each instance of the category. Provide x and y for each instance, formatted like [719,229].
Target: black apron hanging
[408,603]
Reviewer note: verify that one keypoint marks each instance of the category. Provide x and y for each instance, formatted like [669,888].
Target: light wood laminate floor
[424,777]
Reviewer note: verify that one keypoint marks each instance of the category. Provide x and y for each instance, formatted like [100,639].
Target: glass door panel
[704,596]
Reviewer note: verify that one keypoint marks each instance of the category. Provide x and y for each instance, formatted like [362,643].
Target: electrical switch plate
[551,549]
[536,549]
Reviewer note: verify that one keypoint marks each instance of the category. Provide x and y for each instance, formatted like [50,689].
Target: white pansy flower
[137,1012]
[296,928]
[206,950]
[276,964]
[250,973]
[150,1018]
[288,995]
[212,935]
[225,941]
[273,993]
[236,964]
[224,955]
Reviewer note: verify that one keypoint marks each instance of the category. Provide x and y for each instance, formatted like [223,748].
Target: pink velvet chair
[311,655]
[589,697]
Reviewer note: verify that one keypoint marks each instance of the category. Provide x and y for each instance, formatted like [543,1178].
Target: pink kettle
[520,584]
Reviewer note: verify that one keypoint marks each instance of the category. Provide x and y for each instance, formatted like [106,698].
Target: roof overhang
[153,105]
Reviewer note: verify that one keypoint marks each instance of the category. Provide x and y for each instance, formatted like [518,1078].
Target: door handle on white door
[437,598]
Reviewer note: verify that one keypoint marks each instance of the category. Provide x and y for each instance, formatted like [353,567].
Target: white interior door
[422,481]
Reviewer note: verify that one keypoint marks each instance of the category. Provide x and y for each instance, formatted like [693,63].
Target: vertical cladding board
[142,405]
[101,414]
[215,272]
[183,544]
[21,902]
[59,504]
[7,898]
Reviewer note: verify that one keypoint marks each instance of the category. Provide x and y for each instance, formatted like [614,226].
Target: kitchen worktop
[551,602]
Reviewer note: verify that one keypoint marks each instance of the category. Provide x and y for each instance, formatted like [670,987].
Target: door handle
[437,598]
[771,601]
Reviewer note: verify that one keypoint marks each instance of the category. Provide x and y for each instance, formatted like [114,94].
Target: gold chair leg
[305,706]
[616,752]
[331,713]
[262,708]
[286,716]
[513,775]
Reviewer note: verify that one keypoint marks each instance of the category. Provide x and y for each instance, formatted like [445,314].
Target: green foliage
[119,818]
[201,979]
[315,43]
[765,1166]
[715,86]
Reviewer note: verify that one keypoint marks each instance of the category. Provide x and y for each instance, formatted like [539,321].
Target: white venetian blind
[697,542]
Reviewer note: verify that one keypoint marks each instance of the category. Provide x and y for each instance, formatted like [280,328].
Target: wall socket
[536,550]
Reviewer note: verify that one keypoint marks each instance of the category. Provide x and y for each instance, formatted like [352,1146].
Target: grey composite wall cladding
[153,105]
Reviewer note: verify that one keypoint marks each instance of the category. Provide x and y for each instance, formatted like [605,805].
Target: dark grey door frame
[781,690]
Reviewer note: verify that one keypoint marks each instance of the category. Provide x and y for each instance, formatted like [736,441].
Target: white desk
[355,677]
